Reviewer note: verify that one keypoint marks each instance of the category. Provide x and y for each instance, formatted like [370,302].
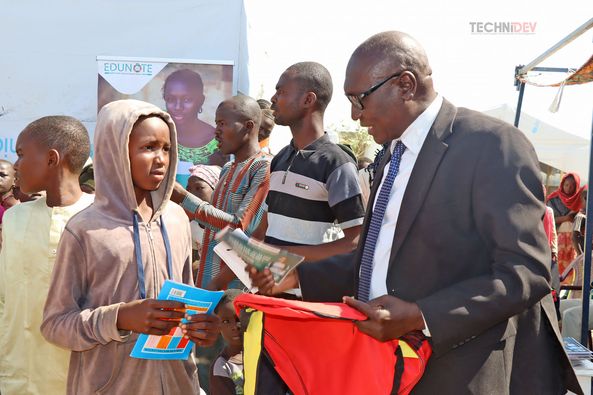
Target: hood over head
[114,189]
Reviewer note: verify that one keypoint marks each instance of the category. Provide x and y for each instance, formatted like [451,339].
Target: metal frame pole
[519,104]
[562,43]
[588,246]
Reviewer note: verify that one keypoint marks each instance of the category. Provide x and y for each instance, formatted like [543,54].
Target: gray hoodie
[96,271]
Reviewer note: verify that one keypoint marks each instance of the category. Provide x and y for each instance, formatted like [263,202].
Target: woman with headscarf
[566,203]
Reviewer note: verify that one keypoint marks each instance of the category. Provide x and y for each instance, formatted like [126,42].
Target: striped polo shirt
[312,190]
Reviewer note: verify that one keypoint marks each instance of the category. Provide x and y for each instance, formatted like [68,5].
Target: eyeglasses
[356,100]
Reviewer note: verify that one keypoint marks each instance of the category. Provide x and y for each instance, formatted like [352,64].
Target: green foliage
[356,137]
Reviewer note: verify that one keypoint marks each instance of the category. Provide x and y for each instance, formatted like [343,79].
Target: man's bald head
[396,49]
[396,65]
[244,108]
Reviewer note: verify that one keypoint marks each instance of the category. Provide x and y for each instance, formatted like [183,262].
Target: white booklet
[235,263]
[238,249]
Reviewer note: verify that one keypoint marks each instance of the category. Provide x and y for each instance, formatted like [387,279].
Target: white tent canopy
[48,63]
[554,146]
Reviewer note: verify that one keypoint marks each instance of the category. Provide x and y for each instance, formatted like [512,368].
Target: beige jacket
[28,363]
[95,270]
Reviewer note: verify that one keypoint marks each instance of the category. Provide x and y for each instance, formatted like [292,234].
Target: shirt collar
[314,146]
[414,136]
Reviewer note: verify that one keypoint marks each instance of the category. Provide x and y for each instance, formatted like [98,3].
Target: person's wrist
[290,282]
[178,195]
[124,334]
[418,318]
[120,318]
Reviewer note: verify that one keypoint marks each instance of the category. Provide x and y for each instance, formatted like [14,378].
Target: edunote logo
[127,68]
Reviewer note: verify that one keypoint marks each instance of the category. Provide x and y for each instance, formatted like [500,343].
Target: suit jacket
[470,250]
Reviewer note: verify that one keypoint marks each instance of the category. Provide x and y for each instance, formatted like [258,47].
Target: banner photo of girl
[188,90]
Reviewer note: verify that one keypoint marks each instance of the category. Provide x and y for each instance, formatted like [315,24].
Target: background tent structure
[583,75]
[49,52]
[555,146]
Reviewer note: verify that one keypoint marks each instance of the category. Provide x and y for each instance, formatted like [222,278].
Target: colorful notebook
[174,345]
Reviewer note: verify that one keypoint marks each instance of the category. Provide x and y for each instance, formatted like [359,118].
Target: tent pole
[562,43]
[519,104]
[587,260]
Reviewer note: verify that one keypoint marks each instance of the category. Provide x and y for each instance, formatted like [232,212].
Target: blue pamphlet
[174,345]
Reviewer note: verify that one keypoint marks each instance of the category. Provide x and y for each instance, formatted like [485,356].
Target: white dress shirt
[413,138]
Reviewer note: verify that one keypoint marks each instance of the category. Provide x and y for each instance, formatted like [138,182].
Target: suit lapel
[426,165]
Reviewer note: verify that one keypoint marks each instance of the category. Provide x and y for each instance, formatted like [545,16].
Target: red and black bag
[315,348]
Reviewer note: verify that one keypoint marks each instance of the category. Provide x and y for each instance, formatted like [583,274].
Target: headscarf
[210,174]
[572,202]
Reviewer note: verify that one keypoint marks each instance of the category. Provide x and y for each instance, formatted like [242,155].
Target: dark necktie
[368,252]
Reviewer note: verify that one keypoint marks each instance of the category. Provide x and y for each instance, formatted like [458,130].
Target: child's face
[32,165]
[200,188]
[230,325]
[149,148]
[6,177]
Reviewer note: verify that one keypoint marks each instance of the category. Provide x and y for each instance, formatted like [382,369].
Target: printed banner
[189,90]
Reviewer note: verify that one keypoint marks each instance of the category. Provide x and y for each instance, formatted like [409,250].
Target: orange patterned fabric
[583,75]
[566,254]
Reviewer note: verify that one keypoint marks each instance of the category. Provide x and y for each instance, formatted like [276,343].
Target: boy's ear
[53,158]
[249,125]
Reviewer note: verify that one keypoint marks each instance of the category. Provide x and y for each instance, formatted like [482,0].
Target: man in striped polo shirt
[313,182]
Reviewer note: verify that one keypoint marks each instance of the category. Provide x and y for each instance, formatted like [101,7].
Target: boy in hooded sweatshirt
[114,258]
[51,152]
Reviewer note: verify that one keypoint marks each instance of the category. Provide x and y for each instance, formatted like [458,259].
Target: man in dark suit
[453,243]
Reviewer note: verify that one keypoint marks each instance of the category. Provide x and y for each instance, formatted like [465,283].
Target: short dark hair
[65,134]
[188,76]
[245,108]
[229,296]
[315,78]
